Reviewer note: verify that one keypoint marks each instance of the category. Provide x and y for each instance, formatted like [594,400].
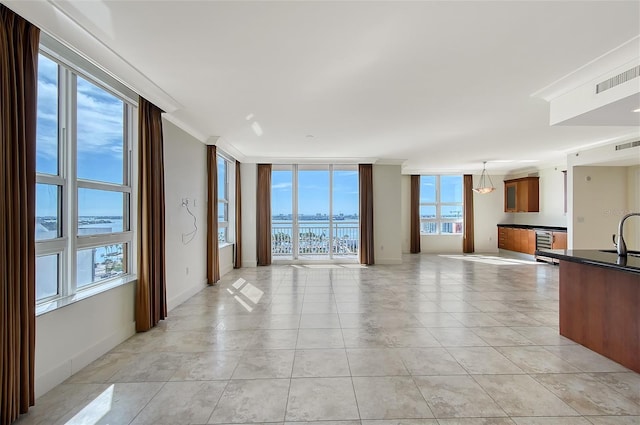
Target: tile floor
[437,340]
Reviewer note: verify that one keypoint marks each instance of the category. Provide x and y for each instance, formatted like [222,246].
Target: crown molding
[53,19]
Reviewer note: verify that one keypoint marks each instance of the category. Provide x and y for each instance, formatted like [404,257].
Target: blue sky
[313,192]
[100,143]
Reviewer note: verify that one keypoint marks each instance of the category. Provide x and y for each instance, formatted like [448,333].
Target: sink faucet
[620,245]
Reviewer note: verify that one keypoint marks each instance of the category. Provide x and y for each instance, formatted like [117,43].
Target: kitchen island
[600,302]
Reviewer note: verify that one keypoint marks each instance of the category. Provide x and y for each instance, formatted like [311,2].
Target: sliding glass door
[314,211]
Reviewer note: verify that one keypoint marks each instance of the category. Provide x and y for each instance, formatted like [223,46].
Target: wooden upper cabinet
[522,195]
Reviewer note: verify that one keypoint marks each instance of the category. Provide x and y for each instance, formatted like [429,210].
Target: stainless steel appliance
[544,240]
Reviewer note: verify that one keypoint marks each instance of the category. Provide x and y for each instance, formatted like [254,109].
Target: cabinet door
[524,241]
[517,240]
[559,240]
[502,238]
[532,241]
[522,196]
[510,239]
[510,196]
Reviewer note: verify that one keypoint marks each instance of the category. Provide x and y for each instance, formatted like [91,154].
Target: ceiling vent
[628,145]
[618,79]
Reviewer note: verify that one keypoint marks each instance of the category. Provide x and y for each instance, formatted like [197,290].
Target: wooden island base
[600,309]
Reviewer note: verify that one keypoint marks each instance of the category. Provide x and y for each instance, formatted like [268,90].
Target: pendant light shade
[484,186]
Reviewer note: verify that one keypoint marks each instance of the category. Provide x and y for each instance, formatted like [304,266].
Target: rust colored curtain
[263,218]
[151,296]
[237,261]
[18,99]
[415,214]
[467,235]
[365,177]
[213,248]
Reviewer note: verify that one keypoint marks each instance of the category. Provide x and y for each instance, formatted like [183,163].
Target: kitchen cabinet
[519,240]
[502,237]
[522,195]
[523,238]
[559,240]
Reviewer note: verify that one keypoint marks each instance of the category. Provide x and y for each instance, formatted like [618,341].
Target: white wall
[69,338]
[599,200]
[488,211]
[185,178]
[249,185]
[387,214]
[632,225]
[551,200]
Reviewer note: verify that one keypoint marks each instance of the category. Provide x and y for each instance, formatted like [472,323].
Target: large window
[314,211]
[83,190]
[441,205]
[223,200]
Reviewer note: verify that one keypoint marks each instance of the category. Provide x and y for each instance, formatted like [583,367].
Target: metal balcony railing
[316,238]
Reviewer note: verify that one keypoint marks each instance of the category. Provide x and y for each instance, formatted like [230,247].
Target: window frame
[438,204]
[69,242]
[228,201]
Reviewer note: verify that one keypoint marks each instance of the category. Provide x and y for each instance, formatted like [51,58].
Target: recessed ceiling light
[249,117]
[636,110]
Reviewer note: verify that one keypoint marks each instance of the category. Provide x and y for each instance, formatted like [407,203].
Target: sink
[629,253]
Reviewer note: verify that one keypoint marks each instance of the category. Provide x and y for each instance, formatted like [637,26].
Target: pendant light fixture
[484,188]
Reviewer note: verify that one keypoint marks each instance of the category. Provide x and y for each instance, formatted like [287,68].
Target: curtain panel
[213,246]
[18,99]
[151,296]
[263,218]
[237,261]
[467,233]
[365,177]
[415,215]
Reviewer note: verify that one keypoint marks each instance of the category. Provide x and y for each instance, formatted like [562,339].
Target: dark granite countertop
[535,227]
[595,257]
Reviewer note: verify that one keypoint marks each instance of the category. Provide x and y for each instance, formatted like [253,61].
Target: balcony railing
[314,238]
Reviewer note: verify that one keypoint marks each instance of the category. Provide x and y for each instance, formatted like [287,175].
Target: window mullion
[295,231]
[71,139]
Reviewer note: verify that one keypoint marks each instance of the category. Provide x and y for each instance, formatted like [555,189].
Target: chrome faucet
[621,245]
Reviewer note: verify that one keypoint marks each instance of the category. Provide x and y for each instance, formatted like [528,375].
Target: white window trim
[69,242]
[229,201]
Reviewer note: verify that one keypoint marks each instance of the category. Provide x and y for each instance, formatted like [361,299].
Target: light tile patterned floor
[437,340]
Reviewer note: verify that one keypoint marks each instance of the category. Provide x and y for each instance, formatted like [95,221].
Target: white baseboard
[185,295]
[55,376]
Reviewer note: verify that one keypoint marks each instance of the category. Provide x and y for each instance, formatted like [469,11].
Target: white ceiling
[442,86]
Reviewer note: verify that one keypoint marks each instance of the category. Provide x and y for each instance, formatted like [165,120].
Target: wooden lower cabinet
[502,238]
[599,309]
[532,242]
[559,240]
[524,240]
